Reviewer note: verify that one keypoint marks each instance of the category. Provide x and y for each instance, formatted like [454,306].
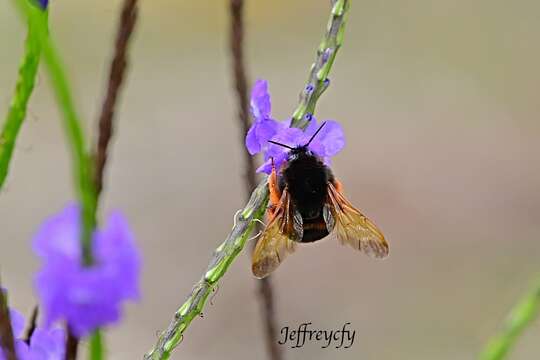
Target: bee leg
[275,193]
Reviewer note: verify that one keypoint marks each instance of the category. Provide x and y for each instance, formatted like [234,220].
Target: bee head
[300,150]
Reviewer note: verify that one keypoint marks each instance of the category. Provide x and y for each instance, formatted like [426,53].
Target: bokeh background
[439,101]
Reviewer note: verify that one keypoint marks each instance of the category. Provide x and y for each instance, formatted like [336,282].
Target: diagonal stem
[521,316]
[318,80]
[219,264]
[23,90]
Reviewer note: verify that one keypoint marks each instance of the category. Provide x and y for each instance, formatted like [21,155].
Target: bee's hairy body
[306,178]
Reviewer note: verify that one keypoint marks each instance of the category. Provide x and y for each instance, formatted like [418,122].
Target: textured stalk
[23,90]
[318,80]
[225,254]
[265,290]
[219,264]
[521,316]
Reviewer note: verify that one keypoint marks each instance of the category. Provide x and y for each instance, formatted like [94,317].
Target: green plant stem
[221,260]
[245,220]
[23,90]
[81,159]
[82,164]
[96,346]
[318,80]
[521,316]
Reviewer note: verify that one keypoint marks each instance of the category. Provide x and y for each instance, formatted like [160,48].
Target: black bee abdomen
[306,178]
[314,230]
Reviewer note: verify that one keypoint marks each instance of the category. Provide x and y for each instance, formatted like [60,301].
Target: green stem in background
[82,164]
[521,316]
[81,160]
[23,90]
[88,180]
[245,220]
[318,80]
[96,346]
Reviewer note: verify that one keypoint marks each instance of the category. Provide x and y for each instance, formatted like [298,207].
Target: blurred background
[439,102]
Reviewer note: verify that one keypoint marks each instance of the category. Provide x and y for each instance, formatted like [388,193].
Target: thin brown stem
[266,297]
[72,346]
[7,341]
[116,76]
[117,72]
[241,87]
[265,291]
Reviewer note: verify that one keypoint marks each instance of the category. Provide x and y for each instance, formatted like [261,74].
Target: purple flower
[260,100]
[45,343]
[87,297]
[264,127]
[327,143]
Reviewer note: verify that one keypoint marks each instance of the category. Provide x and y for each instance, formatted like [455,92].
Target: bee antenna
[316,132]
[280,144]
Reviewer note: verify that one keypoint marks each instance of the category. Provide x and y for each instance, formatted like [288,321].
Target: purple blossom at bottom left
[86,297]
[45,343]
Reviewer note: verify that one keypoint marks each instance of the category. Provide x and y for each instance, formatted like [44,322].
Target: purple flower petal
[58,237]
[48,343]
[23,351]
[279,160]
[260,132]
[86,297]
[311,128]
[253,145]
[260,100]
[115,250]
[17,322]
[332,138]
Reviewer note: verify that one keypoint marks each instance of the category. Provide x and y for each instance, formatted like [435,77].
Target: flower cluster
[327,143]
[44,344]
[87,297]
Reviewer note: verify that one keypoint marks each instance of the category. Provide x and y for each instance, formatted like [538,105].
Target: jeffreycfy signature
[297,337]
